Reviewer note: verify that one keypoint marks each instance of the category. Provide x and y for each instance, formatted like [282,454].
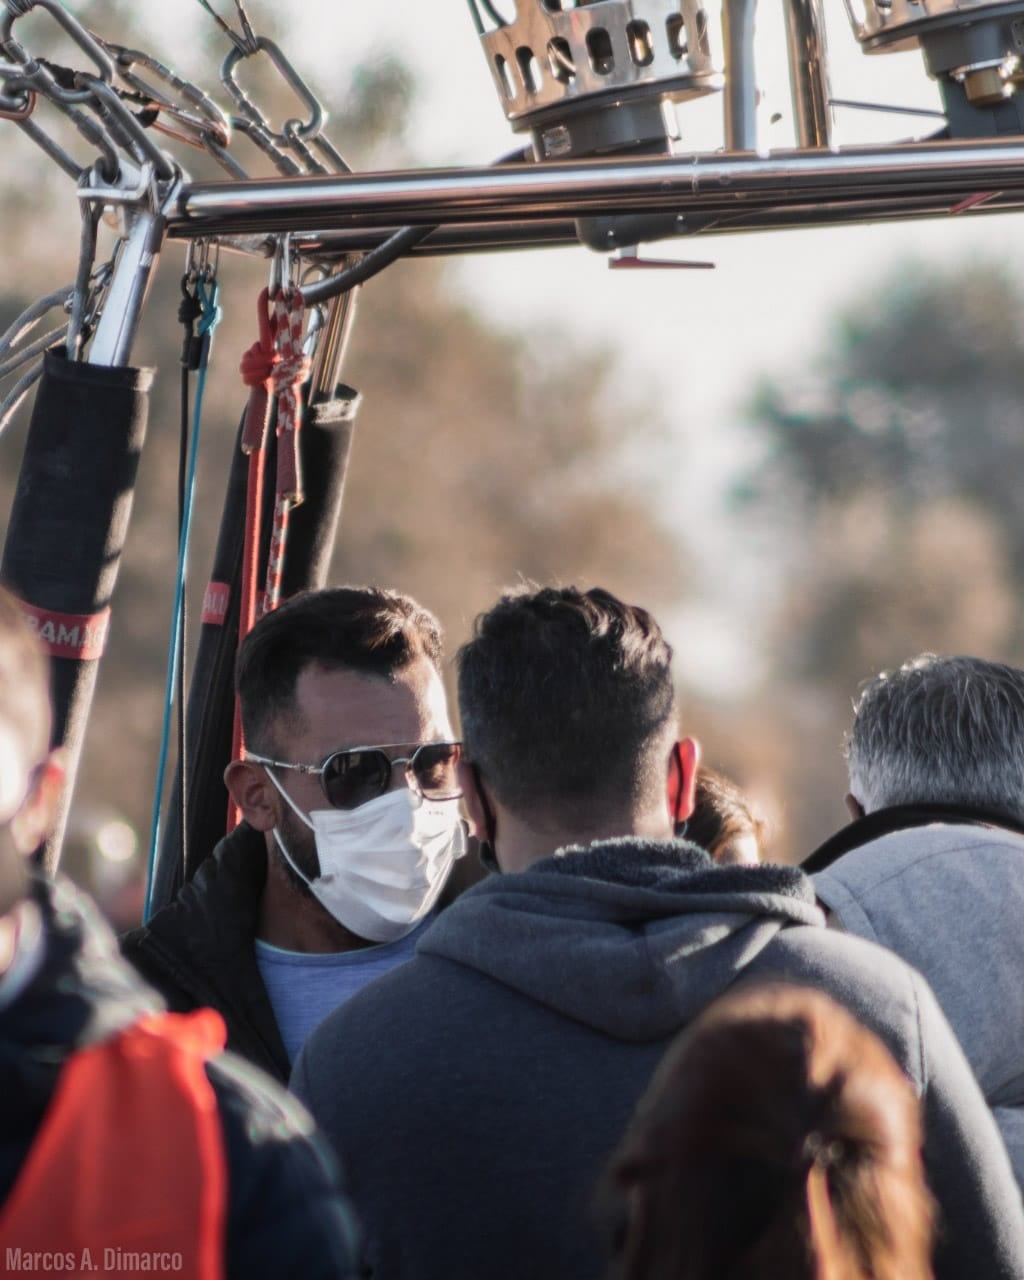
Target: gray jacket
[949,899]
[476,1093]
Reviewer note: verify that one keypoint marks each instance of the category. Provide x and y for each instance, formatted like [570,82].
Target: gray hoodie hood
[666,929]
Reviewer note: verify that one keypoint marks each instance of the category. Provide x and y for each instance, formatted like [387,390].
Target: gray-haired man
[933,864]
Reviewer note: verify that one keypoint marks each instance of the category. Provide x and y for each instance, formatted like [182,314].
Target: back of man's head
[940,731]
[363,629]
[567,704]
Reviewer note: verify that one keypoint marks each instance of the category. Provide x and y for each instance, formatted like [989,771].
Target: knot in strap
[258,362]
[288,374]
[257,365]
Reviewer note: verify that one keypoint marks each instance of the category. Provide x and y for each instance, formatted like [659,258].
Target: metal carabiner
[43,79]
[211,266]
[298,147]
[207,121]
[262,44]
[282,266]
[17,106]
[89,128]
[63,159]
[126,128]
[291,130]
[202,261]
[251,126]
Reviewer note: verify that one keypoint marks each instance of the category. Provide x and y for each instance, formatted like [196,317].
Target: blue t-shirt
[304,988]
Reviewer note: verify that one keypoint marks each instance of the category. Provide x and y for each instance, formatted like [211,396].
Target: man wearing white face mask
[379,866]
[348,789]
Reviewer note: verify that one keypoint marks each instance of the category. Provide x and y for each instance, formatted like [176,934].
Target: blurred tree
[918,396]
[483,456]
[888,483]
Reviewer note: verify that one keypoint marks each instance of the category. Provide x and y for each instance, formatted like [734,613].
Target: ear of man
[34,821]
[684,762]
[22,835]
[477,804]
[255,795]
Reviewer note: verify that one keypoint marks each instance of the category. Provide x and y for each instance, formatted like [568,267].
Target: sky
[691,342]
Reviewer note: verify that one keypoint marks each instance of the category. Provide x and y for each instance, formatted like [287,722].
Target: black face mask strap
[486,846]
[676,794]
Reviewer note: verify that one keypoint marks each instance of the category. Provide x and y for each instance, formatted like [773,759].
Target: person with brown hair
[778,1138]
[722,821]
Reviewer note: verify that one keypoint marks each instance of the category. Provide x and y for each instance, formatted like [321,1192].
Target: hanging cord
[290,372]
[394,247]
[257,367]
[30,317]
[246,43]
[388,251]
[13,356]
[197,349]
[190,311]
[90,214]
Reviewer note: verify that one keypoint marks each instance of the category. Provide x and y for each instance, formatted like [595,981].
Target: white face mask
[382,865]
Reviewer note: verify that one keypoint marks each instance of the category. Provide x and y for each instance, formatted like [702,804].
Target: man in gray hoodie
[476,1093]
[933,864]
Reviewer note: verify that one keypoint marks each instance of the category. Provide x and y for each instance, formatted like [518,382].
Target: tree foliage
[918,400]
[888,481]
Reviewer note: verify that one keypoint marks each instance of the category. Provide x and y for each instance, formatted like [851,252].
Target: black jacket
[285,1215]
[199,950]
[900,817]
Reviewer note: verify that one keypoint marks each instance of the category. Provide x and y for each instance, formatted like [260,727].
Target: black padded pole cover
[68,525]
[326,441]
[209,713]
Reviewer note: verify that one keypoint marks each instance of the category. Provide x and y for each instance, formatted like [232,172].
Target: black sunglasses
[352,777]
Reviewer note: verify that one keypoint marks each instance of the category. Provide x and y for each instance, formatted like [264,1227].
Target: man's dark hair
[565,696]
[364,629]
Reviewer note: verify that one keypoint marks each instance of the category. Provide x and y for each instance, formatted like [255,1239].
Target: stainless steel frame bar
[918,174]
[328,246]
[133,274]
[483,237]
[808,72]
[740,92]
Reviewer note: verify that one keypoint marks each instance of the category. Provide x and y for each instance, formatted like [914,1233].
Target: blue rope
[210,315]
